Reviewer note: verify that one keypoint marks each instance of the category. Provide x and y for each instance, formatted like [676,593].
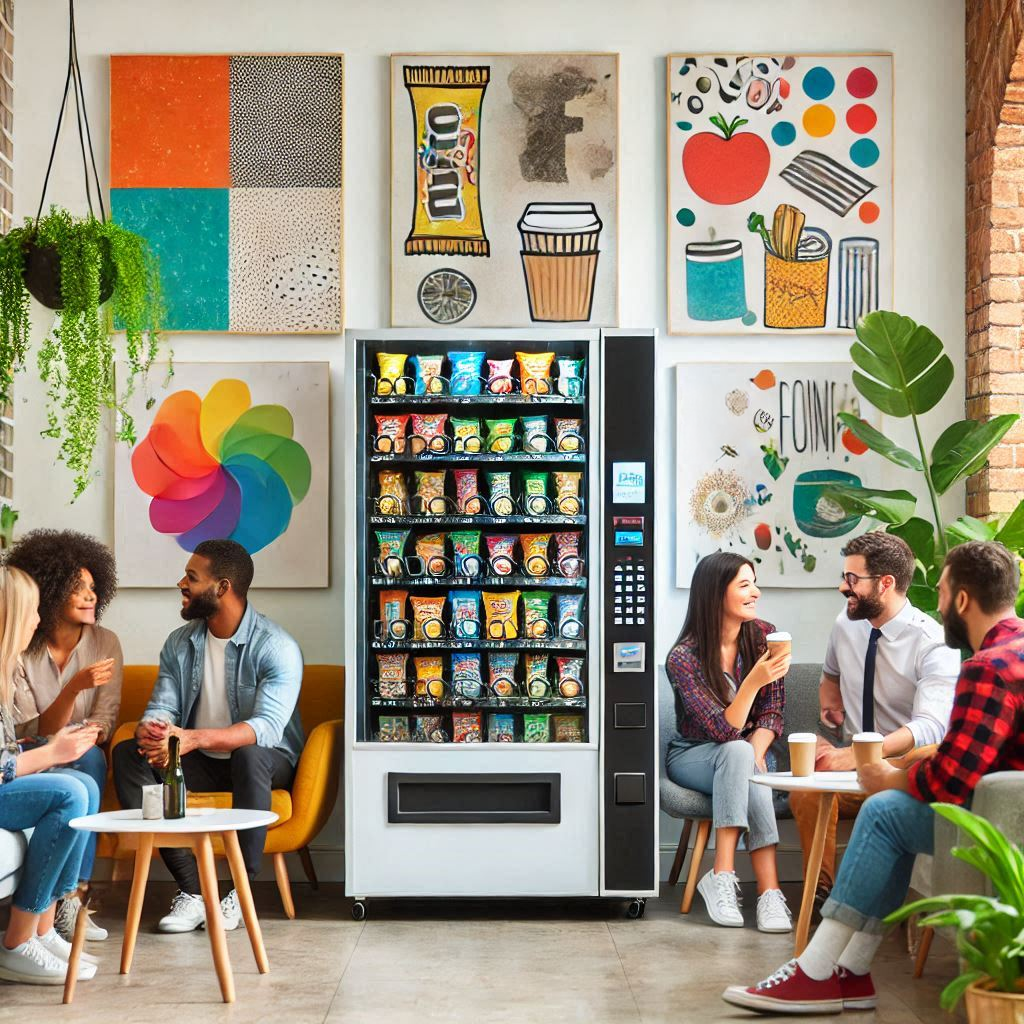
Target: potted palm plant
[989,929]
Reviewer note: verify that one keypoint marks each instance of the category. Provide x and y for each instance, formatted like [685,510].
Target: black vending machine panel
[630,790]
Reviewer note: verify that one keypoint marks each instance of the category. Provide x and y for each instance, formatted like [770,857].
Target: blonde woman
[32,797]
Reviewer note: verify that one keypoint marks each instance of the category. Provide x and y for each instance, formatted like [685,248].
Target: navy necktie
[868,714]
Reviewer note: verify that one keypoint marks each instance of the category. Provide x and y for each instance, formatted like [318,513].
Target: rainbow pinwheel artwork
[240,455]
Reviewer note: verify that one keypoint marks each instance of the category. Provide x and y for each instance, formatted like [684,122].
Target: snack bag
[391,433]
[428,375]
[467,492]
[567,554]
[501,670]
[467,677]
[500,552]
[501,728]
[429,729]
[394,729]
[535,553]
[538,685]
[499,487]
[535,372]
[568,728]
[500,610]
[466,436]
[430,488]
[535,493]
[393,499]
[391,379]
[568,435]
[430,551]
[499,376]
[567,493]
[466,727]
[500,438]
[536,625]
[467,368]
[391,548]
[429,676]
[570,377]
[465,614]
[391,680]
[537,728]
[570,616]
[392,613]
[535,433]
[427,613]
[570,676]
[466,548]
[428,432]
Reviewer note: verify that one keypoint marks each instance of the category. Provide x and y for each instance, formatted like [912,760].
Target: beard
[955,630]
[869,607]
[201,605]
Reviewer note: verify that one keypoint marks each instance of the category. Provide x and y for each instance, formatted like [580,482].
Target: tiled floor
[460,961]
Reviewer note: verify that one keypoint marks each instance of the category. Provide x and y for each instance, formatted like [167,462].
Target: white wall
[926,37]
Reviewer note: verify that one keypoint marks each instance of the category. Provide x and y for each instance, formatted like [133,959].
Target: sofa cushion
[12,855]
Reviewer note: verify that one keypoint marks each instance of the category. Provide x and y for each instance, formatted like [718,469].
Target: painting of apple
[726,168]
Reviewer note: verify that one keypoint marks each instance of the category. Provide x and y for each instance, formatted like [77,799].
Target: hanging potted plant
[74,266]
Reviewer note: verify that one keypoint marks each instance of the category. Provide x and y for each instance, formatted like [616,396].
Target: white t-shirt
[915,674]
[213,710]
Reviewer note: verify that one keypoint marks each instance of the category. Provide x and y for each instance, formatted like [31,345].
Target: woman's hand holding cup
[774,663]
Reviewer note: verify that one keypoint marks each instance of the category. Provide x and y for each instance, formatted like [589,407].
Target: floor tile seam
[344,970]
[625,976]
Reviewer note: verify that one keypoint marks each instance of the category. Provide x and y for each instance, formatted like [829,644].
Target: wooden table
[826,785]
[194,830]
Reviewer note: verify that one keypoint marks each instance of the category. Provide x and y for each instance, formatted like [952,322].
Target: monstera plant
[904,372]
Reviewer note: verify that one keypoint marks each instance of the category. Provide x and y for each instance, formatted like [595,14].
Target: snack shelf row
[521,704]
[463,400]
[481,520]
[477,644]
[474,457]
[427,580]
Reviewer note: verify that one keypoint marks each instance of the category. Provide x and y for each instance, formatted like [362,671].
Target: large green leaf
[878,442]
[968,528]
[1012,531]
[920,535]
[892,507]
[963,447]
[909,373]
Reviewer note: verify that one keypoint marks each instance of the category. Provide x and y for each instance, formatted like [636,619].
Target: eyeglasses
[851,578]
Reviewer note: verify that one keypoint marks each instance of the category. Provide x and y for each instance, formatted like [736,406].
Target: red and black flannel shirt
[986,728]
[700,715]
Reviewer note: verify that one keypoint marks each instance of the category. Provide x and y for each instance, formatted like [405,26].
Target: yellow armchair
[303,811]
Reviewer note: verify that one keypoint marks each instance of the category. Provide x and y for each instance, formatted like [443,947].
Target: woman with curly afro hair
[72,669]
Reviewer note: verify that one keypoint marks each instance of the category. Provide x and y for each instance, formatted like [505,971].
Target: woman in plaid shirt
[729,704]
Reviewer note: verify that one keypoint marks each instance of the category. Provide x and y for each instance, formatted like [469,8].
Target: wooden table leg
[214,921]
[826,801]
[242,888]
[143,855]
[77,942]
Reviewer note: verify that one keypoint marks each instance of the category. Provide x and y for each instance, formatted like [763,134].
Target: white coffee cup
[777,642]
[802,748]
[153,801]
[867,748]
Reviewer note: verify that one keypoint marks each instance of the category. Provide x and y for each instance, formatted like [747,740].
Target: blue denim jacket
[262,671]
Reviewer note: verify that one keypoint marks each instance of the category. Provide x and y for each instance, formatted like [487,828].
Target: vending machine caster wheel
[359,911]
[636,908]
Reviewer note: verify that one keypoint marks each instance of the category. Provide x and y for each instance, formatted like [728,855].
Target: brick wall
[995,242]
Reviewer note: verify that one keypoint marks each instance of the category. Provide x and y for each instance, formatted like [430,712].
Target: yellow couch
[303,811]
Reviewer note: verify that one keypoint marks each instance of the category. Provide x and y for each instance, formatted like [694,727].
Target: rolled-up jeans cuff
[760,842]
[852,918]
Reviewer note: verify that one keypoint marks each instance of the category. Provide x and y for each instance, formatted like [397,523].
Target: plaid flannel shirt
[986,729]
[700,715]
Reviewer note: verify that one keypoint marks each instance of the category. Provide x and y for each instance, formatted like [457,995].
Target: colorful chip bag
[535,372]
[570,377]
[392,614]
[500,552]
[499,488]
[466,548]
[499,376]
[391,433]
[428,432]
[567,554]
[429,676]
[466,727]
[570,616]
[467,492]
[570,676]
[538,685]
[535,434]
[568,728]
[501,672]
[567,493]
[391,675]
[428,374]
[537,728]
[393,729]
[500,438]
[535,493]
[430,551]
[466,436]
[427,616]
[394,496]
[467,368]
[500,610]
[392,370]
[568,435]
[536,624]
[465,605]
[429,729]
[467,677]
[535,553]
[501,728]
[430,488]
[391,548]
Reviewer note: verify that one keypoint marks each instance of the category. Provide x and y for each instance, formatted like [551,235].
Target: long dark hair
[703,625]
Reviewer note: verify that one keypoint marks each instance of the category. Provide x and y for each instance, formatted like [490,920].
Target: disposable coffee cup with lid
[802,748]
[779,641]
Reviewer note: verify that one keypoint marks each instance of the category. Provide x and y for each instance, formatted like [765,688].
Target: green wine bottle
[174,781]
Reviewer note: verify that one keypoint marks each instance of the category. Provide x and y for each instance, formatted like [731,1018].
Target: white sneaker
[186,915]
[721,894]
[231,911]
[773,913]
[31,963]
[67,915]
[61,949]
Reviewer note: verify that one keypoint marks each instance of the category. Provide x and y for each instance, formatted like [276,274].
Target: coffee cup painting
[779,191]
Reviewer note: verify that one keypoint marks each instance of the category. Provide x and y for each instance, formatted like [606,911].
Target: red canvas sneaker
[789,991]
[858,990]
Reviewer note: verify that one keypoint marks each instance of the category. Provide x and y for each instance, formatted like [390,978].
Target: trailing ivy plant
[76,358]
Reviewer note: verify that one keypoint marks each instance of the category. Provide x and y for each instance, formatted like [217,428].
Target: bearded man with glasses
[886,670]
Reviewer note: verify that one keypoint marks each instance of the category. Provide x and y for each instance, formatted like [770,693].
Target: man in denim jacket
[228,686]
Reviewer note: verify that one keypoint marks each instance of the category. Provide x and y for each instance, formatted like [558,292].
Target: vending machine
[500,711]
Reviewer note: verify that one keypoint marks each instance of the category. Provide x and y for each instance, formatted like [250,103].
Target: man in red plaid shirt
[977,591]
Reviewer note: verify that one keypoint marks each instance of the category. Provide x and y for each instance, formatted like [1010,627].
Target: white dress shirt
[915,674]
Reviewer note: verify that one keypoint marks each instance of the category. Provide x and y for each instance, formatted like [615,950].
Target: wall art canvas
[504,189]
[757,445]
[779,192]
[231,166]
[236,450]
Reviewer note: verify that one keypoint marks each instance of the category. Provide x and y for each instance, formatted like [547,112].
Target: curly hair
[55,559]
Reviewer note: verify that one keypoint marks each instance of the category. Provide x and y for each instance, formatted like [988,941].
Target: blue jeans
[723,771]
[46,802]
[892,829]
[94,764]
